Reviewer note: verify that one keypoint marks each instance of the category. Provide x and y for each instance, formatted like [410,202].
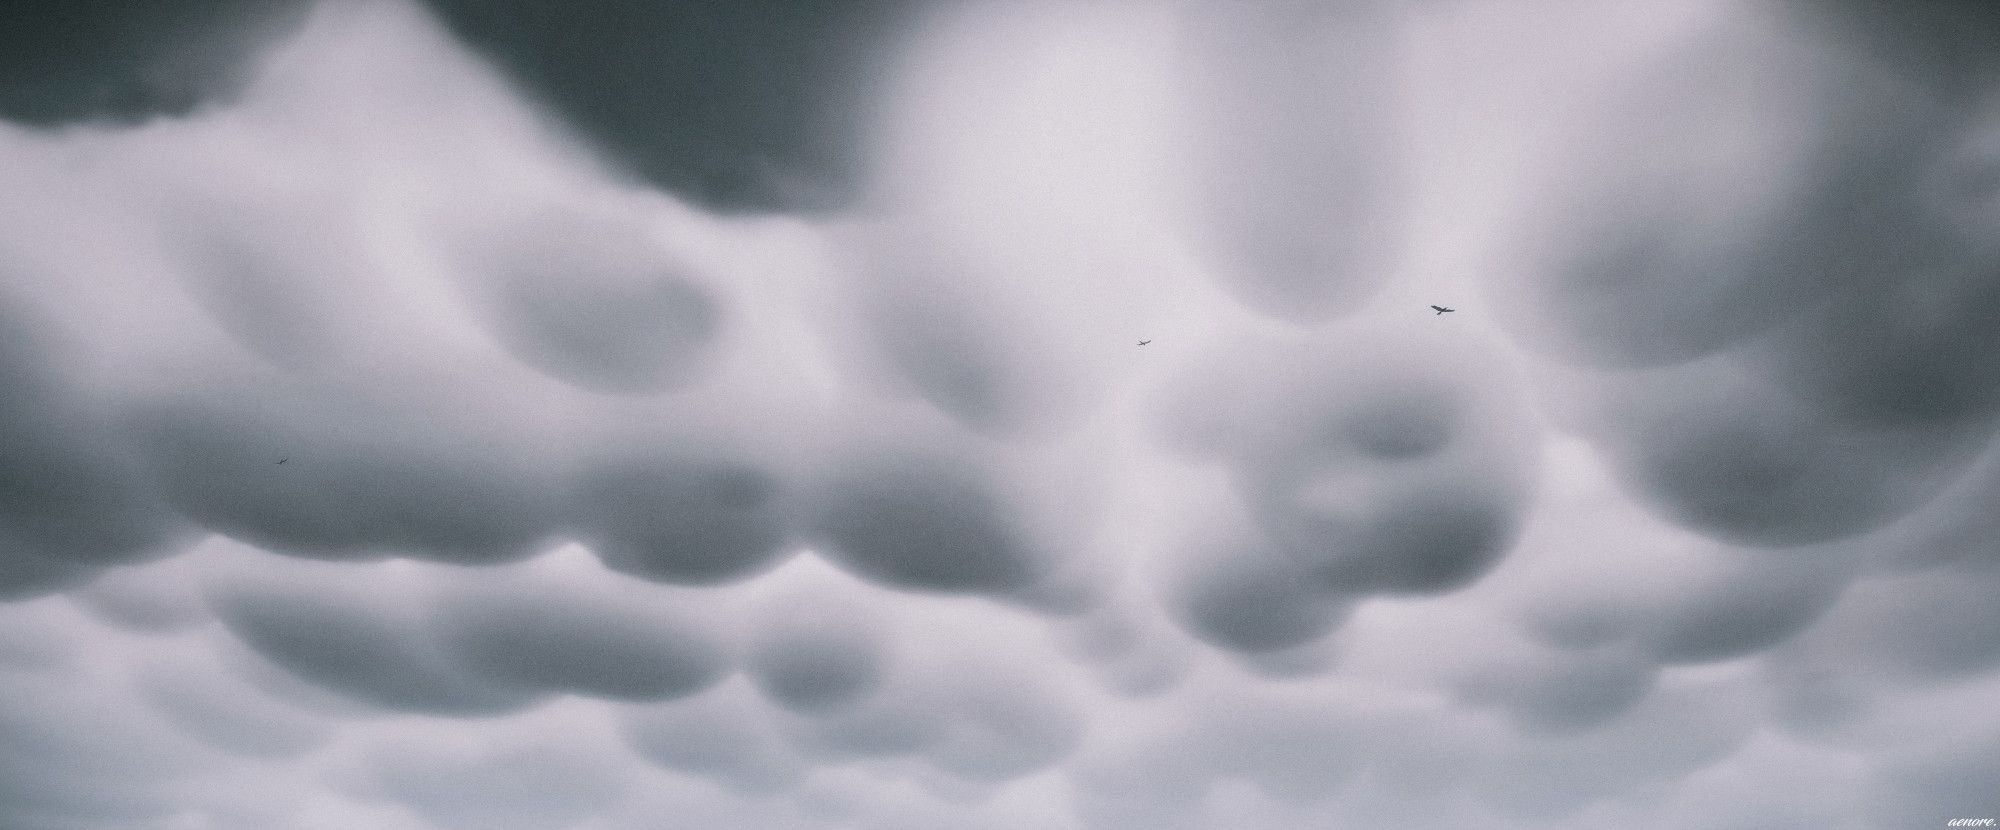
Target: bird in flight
[1144,342]
[1442,309]
[283,460]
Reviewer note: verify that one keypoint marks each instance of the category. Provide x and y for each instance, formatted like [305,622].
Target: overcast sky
[531,414]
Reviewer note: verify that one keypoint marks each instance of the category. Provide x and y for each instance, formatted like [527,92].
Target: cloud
[630,480]
[1289,149]
[127,62]
[753,107]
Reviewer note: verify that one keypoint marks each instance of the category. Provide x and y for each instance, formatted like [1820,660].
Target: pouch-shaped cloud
[689,520]
[125,62]
[1715,449]
[812,653]
[721,735]
[912,503]
[72,499]
[593,300]
[1379,466]
[413,483]
[740,106]
[1290,149]
[1594,571]
[534,630]
[356,631]
[1753,196]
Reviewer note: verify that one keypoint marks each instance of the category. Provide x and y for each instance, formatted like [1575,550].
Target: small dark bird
[1442,309]
[1144,342]
[283,460]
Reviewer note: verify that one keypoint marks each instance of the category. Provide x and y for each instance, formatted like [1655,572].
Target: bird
[1442,309]
[1144,342]
[283,460]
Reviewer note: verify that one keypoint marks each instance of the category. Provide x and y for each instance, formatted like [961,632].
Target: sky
[454,415]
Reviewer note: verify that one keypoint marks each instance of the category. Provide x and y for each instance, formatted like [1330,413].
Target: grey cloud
[938,312]
[1369,467]
[1566,693]
[80,757]
[362,644]
[1001,728]
[125,62]
[277,271]
[406,484]
[910,503]
[593,301]
[1932,624]
[204,701]
[1938,784]
[813,656]
[1718,451]
[72,499]
[535,637]
[1289,141]
[721,735]
[159,599]
[510,786]
[966,709]
[1252,600]
[1598,573]
[1650,254]
[689,520]
[749,106]
[1684,726]
[924,523]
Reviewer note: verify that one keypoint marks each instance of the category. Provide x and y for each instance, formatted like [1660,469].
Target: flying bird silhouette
[283,460]
[1442,309]
[1144,342]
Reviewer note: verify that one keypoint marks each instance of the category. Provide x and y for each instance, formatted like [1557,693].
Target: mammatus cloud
[450,415]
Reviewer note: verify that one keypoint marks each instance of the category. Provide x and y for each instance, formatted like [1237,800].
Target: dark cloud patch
[72,499]
[1252,600]
[817,656]
[924,521]
[1718,451]
[1947,45]
[686,520]
[744,106]
[592,300]
[1290,147]
[408,483]
[126,62]
[369,648]
[534,636]
[1909,345]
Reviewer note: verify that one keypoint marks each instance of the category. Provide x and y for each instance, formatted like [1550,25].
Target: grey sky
[728,415]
